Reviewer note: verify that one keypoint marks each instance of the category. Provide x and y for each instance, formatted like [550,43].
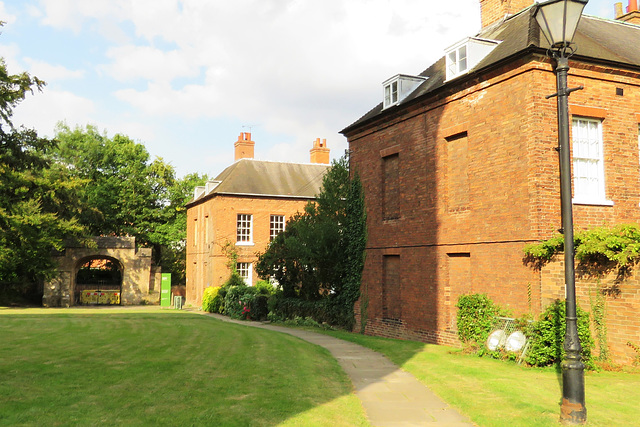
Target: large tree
[127,193]
[320,255]
[37,198]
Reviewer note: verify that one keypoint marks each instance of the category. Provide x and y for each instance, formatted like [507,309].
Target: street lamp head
[558,20]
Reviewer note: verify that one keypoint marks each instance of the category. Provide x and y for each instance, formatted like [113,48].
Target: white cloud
[50,72]
[7,17]
[44,110]
[299,68]
[146,62]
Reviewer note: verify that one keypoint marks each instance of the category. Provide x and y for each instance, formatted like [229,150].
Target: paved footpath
[390,396]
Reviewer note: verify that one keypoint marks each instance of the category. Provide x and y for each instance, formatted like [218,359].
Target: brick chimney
[492,11]
[632,16]
[244,146]
[320,152]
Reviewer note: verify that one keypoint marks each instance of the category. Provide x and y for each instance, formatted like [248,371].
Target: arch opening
[98,281]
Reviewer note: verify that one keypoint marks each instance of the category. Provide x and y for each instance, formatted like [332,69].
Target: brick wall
[622,304]
[512,193]
[216,225]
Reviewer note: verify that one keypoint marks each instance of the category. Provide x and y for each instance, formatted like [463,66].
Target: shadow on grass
[145,366]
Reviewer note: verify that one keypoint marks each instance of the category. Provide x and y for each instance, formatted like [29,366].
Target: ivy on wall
[600,249]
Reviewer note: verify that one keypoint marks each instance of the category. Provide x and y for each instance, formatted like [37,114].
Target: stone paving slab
[390,396]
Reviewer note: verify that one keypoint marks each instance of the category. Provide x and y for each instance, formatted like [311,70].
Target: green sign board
[165,290]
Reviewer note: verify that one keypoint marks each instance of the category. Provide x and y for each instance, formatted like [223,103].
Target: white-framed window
[391,93]
[457,61]
[588,162]
[244,234]
[245,270]
[276,226]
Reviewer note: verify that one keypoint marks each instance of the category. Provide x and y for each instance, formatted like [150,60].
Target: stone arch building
[133,280]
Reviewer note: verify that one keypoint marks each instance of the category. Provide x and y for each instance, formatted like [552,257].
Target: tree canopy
[79,184]
[320,255]
[38,199]
[127,193]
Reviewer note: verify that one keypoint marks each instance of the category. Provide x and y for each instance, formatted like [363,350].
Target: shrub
[321,311]
[208,299]
[235,301]
[476,316]
[265,288]
[547,337]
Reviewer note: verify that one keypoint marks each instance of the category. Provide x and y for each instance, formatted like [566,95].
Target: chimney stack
[632,16]
[244,146]
[492,11]
[320,152]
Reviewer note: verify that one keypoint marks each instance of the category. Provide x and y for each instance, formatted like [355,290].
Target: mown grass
[495,393]
[152,367]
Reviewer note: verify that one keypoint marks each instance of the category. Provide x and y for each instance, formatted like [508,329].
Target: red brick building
[460,170]
[245,207]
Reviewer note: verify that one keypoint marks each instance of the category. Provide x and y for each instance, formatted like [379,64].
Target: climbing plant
[599,248]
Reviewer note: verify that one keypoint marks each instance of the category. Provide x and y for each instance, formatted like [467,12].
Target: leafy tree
[128,194]
[37,201]
[320,255]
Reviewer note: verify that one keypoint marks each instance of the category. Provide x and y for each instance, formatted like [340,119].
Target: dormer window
[457,61]
[398,87]
[391,94]
[466,54]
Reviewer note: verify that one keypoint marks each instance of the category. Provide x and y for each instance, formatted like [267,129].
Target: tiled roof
[251,177]
[597,40]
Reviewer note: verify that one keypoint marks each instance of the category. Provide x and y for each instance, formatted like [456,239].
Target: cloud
[149,63]
[301,69]
[43,110]
[7,17]
[50,72]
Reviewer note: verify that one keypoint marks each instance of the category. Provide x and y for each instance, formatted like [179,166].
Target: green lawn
[153,367]
[494,393]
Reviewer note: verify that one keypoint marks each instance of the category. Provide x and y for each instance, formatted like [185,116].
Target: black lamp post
[558,20]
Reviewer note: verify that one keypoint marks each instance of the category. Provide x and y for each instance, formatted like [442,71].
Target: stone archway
[139,280]
[98,281]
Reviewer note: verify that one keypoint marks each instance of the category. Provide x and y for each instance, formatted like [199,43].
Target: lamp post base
[573,409]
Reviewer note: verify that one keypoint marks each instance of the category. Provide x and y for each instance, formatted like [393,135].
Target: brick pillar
[320,152]
[492,11]
[244,146]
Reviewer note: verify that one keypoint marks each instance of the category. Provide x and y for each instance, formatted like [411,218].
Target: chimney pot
[320,152]
[633,5]
[244,146]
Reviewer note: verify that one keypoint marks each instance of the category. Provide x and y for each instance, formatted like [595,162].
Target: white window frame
[245,270]
[588,162]
[391,93]
[244,229]
[457,62]
[276,226]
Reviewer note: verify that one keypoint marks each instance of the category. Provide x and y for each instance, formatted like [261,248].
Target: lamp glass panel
[551,18]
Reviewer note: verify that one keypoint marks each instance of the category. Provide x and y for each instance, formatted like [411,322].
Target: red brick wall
[513,189]
[622,305]
[206,262]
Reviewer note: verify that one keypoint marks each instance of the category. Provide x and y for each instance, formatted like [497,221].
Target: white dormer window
[466,54]
[457,61]
[391,94]
[399,87]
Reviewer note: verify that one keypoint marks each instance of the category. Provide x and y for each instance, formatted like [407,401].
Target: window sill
[592,202]
[245,244]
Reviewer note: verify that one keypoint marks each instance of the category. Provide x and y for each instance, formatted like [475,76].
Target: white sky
[185,77]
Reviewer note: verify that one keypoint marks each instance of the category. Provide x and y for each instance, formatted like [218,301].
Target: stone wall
[140,283]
